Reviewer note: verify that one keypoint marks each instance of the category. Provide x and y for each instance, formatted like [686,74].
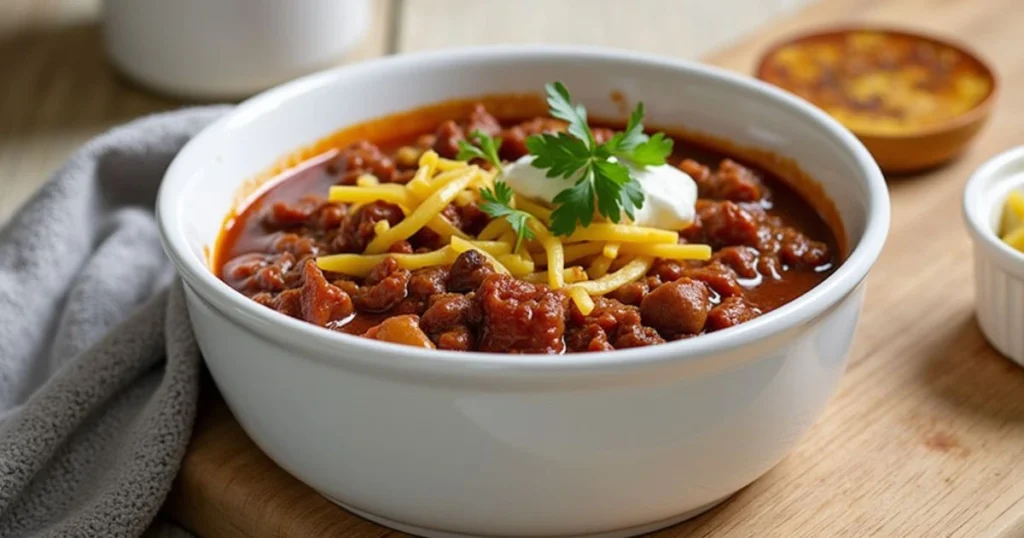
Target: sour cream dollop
[669,193]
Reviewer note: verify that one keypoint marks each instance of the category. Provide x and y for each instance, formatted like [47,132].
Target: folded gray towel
[99,370]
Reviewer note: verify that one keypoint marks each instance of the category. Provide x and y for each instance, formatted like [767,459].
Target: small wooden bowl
[910,148]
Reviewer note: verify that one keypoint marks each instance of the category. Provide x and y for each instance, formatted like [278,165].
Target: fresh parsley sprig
[498,204]
[487,149]
[602,171]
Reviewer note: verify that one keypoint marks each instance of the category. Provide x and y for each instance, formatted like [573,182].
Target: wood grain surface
[926,433]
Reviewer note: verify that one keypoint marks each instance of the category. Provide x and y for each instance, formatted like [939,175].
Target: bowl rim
[977,207]
[323,344]
[975,114]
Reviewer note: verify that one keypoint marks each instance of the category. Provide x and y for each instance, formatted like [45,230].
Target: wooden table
[926,433]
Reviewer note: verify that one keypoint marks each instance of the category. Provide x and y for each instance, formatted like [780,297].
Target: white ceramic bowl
[225,49]
[998,268]
[503,445]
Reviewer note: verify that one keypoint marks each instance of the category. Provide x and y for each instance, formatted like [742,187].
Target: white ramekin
[446,444]
[227,49]
[998,268]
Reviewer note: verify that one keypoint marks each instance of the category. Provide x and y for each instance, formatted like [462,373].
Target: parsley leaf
[498,204]
[560,154]
[572,204]
[561,107]
[603,173]
[487,149]
[653,151]
[609,178]
[633,146]
[622,143]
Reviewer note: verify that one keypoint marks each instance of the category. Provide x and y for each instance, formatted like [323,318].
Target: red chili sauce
[770,246]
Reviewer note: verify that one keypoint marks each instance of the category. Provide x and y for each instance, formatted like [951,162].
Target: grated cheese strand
[628,273]
[424,213]
[555,255]
[622,233]
[359,265]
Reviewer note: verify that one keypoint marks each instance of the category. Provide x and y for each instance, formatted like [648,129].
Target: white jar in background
[222,49]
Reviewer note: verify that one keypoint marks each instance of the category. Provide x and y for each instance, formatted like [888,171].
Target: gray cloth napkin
[99,370]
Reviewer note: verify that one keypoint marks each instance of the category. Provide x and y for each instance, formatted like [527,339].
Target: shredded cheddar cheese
[623,233]
[614,254]
[430,208]
[630,272]
[360,265]
[582,299]
[569,275]
[494,229]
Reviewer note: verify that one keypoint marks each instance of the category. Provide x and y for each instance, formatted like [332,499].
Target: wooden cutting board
[925,436]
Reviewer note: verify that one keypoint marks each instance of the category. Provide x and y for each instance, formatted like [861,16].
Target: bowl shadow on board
[966,373]
[59,79]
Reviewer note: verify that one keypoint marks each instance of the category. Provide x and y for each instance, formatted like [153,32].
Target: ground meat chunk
[446,310]
[288,302]
[742,260]
[357,228]
[257,271]
[732,311]
[286,215]
[519,317]
[401,247]
[679,307]
[666,270]
[483,121]
[449,134]
[513,144]
[697,171]
[386,287]
[455,339]
[346,285]
[299,245]
[798,250]
[409,305]
[718,277]
[631,293]
[468,271]
[610,325]
[400,330]
[770,267]
[427,282]
[637,336]
[608,314]
[589,337]
[327,217]
[381,271]
[468,218]
[446,320]
[426,240]
[723,224]
[322,302]
[362,158]
[732,181]
[737,182]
